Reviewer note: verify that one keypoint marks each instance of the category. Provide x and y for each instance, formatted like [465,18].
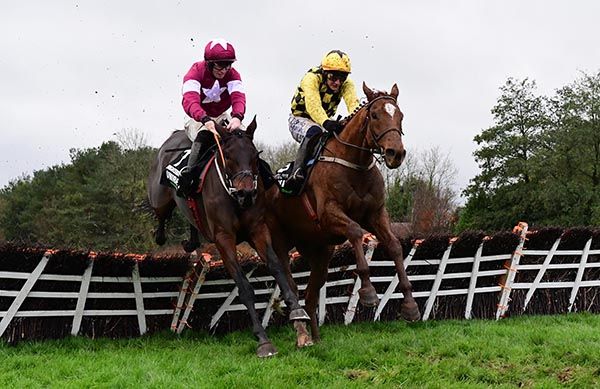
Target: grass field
[530,351]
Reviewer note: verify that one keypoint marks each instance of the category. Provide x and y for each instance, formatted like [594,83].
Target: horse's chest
[355,198]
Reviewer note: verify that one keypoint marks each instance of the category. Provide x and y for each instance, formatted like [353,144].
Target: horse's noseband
[245,198]
[379,136]
[241,196]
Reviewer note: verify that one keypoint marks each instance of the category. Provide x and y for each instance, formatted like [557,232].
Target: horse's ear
[251,128]
[368,92]
[394,93]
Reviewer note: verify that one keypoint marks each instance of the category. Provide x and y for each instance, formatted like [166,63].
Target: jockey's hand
[333,126]
[234,124]
[210,125]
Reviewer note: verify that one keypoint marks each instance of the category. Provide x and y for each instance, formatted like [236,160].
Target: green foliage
[400,198]
[278,155]
[540,162]
[91,203]
[526,351]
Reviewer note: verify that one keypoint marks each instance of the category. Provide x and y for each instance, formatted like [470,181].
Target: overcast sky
[73,73]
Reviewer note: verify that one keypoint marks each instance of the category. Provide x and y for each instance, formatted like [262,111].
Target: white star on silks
[213,95]
[219,41]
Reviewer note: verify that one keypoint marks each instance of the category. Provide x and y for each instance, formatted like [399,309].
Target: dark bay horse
[231,209]
[346,192]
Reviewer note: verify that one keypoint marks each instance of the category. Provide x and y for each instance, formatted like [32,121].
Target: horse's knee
[354,232]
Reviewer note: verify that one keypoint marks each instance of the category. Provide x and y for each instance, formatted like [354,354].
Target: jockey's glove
[333,126]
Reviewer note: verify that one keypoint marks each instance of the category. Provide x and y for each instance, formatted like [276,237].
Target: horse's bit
[227,182]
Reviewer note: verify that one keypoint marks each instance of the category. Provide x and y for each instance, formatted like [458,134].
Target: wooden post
[31,280]
[580,271]
[322,304]
[437,282]
[473,281]
[540,274]
[139,298]
[192,298]
[83,292]
[511,272]
[181,298]
[393,284]
[269,309]
[227,303]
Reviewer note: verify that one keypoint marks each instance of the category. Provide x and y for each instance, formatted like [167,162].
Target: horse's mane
[363,103]
[351,115]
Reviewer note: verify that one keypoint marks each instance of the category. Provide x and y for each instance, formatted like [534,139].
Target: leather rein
[375,139]
[226,181]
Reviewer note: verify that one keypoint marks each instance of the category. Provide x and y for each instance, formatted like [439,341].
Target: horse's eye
[374,115]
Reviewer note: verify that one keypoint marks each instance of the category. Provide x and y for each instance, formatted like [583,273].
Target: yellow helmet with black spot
[337,61]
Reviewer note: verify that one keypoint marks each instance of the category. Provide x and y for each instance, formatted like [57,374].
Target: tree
[569,162]
[91,203]
[278,155]
[501,193]
[421,191]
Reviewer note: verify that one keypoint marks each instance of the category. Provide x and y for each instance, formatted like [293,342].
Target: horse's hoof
[368,296]
[189,246]
[299,314]
[266,350]
[410,312]
[304,340]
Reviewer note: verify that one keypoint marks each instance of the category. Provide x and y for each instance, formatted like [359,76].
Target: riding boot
[187,182]
[297,177]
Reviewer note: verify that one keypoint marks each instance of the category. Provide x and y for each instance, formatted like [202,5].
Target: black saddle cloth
[171,174]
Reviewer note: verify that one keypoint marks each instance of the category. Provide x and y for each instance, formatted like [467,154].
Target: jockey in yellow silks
[315,103]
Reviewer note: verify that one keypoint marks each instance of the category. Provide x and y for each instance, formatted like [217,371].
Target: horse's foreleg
[193,243]
[225,243]
[341,224]
[319,262]
[380,224]
[262,243]
[281,247]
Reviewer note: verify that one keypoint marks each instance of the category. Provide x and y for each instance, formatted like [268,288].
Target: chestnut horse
[230,209]
[346,194]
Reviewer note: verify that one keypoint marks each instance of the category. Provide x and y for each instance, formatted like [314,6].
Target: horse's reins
[375,139]
[226,181]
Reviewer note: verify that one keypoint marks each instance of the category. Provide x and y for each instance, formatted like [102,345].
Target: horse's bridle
[366,125]
[227,182]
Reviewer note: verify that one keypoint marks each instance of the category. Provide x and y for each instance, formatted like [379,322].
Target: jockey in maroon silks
[210,88]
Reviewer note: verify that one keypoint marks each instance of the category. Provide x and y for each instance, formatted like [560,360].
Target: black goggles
[220,65]
[337,76]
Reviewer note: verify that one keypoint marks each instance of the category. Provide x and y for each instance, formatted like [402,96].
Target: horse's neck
[354,133]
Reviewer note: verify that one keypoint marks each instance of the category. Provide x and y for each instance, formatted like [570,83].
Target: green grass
[533,351]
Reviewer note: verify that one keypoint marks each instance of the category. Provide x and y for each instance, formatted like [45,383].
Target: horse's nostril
[390,153]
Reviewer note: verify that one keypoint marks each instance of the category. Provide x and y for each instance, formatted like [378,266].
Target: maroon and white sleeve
[238,97]
[191,93]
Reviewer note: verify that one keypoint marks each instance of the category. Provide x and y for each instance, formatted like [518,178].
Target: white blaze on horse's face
[390,109]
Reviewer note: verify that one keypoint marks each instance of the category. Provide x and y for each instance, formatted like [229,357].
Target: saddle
[282,174]
[172,172]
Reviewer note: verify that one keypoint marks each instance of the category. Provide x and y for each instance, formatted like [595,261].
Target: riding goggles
[337,76]
[220,65]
